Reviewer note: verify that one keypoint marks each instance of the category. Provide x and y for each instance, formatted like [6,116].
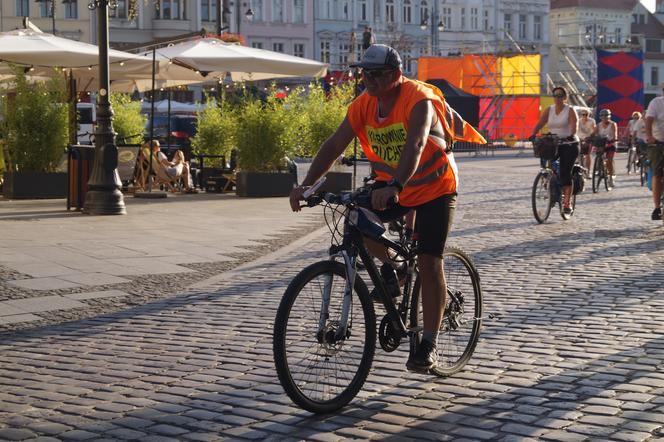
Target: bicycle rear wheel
[319,371]
[541,196]
[462,317]
[642,173]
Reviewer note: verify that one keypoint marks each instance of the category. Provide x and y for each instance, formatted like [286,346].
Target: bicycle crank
[388,337]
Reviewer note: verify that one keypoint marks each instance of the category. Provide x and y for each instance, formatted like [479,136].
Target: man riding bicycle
[404,127]
[655,136]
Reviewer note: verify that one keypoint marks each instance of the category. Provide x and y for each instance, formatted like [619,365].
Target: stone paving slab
[44,283]
[574,351]
[93,279]
[96,295]
[42,304]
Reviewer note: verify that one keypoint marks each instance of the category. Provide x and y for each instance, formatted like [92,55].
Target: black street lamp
[221,12]
[50,4]
[436,29]
[104,196]
[249,14]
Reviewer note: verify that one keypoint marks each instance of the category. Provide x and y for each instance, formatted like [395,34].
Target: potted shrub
[324,113]
[36,133]
[215,136]
[264,135]
[128,122]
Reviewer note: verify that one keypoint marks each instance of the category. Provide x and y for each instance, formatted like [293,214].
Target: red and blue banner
[620,84]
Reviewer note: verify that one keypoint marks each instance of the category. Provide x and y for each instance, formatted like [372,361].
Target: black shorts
[433,222]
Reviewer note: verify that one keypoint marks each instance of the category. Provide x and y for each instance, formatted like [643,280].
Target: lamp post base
[104,202]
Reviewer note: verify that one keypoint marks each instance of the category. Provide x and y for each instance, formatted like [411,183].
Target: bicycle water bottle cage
[366,222]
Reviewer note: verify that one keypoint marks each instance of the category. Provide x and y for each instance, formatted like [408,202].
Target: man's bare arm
[419,124]
[329,151]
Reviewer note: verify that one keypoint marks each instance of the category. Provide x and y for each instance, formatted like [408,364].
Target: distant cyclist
[586,128]
[655,134]
[609,130]
[562,121]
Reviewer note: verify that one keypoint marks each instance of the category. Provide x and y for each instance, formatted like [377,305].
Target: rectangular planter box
[264,184]
[337,182]
[35,185]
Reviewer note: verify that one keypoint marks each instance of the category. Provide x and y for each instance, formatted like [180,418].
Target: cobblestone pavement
[575,352]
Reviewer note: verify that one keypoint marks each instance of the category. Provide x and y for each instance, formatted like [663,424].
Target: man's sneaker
[425,357]
[567,210]
[656,214]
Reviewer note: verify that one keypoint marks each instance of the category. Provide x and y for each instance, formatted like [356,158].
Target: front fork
[350,262]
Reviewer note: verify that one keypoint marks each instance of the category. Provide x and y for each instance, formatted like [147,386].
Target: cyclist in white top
[609,130]
[562,121]
[586,127]
[655,139]
[638,128]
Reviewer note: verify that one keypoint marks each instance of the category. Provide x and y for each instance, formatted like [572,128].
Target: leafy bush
[36,124]
[262,134]
[323,114]
[128,121]
[216,129]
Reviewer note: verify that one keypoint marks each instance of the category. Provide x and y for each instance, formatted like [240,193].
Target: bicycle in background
[547,190]
[600,172]
[325,329]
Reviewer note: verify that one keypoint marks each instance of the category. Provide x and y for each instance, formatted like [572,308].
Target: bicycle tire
[456,344]
[643,174]
[541,196]
[598,166]
[320,385]
[631,161]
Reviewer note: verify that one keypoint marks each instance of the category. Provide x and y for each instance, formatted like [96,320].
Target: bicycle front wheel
[541,196]
[598,172]
[631,161]
[320,369]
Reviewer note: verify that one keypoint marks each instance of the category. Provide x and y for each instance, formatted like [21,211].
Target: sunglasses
[375,74]
[559,95]
[584,115]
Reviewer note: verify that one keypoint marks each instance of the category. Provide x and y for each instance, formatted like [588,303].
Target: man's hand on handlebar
[380,198]
[296,196]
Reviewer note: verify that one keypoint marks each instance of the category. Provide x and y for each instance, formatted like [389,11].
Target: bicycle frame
[353,246]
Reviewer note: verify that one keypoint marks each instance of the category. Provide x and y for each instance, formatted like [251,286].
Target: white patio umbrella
[214,58]
[28,47]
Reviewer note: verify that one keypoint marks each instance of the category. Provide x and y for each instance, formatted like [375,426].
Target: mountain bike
[600,172]
[325,328]
[547,190]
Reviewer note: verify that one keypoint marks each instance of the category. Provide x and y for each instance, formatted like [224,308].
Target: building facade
[577,29]
[429,27]
[648,29]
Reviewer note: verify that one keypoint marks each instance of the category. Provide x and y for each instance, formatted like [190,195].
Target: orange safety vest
[383,141]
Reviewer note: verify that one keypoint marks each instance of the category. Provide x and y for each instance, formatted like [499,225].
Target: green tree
[128,121]
[36,123]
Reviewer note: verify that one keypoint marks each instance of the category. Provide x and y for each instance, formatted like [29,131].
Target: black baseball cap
[379,57]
